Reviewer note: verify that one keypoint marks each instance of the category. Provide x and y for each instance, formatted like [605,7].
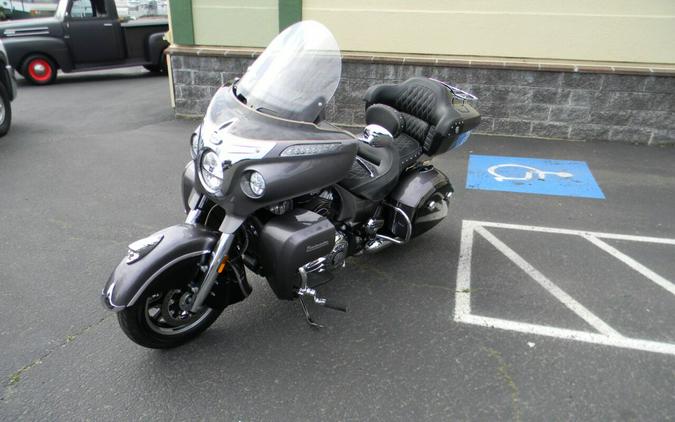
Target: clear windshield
[296,75]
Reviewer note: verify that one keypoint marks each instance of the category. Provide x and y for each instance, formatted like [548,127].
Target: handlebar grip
[335,305]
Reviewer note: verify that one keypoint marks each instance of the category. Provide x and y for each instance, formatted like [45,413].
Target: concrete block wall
[529,103]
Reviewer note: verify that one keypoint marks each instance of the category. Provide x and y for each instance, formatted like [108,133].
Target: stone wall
[637,108]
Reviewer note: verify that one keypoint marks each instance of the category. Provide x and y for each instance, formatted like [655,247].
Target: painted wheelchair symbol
[528,175]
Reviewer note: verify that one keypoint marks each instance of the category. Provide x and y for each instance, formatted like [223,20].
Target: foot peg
[326,303]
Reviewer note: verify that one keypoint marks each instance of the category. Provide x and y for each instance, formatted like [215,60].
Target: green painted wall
[181,22]
[290,12]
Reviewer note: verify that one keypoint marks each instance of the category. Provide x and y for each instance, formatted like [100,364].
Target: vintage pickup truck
[83,35]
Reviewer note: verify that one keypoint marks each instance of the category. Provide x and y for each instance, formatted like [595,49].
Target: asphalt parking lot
[517,307]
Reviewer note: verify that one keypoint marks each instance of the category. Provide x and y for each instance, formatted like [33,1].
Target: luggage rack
[457,92]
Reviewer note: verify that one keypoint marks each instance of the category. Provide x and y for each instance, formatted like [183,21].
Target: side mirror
[376,136]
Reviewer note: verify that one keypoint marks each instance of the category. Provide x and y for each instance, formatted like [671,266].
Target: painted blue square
[532,175]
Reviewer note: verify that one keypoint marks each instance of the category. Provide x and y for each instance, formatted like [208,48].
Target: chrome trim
[457,92]
[310,149]
[23,32]
[376,245]
[364,165]
[193,216]
[152,278]
[142,247]
[376,136]
[234,148]
[304,290]
[408,232]
[219,252]
[106,298]
[195,213]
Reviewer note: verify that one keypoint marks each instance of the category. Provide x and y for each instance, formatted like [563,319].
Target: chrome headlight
[211,171]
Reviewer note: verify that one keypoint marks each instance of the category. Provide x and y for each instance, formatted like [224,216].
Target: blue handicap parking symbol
[532,175]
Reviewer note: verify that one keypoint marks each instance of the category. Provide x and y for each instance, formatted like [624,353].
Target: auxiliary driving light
[257,184]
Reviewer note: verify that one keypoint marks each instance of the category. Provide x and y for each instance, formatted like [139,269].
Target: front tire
[5,111]
[158,319]
[39,69]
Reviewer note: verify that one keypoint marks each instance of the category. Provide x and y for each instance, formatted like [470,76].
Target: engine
[323,203]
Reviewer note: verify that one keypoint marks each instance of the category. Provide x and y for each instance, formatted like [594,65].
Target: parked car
[83,35]
[7,91]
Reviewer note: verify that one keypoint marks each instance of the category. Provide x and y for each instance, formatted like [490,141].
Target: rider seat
[376,169]
[427,113]
[421,118]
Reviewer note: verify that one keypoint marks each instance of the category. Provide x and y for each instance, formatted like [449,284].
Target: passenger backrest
[426,108]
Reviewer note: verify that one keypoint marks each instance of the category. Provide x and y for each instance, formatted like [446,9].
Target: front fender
[179,244]
[20,47]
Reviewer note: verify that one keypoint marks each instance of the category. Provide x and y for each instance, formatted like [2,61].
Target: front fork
[218,260]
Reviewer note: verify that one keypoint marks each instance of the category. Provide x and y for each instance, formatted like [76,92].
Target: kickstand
[308,317]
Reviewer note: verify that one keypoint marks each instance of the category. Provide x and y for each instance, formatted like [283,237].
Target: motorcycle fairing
[246,134]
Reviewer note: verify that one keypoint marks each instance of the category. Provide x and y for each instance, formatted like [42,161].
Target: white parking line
[661,281]
[544,282]
[606,336]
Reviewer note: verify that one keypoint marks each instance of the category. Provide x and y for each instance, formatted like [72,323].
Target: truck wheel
[5,110]
[39,69]
[158,68]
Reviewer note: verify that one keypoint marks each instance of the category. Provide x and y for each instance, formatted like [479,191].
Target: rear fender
[179,247]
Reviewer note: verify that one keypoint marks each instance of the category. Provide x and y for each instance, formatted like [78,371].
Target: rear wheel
[160,319]
[5,110]
[159,68]
[39,69]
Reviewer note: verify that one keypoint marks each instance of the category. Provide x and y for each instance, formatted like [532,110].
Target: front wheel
[159,319]
[39,69]
[5,110]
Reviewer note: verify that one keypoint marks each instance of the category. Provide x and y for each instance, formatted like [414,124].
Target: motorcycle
[274,189]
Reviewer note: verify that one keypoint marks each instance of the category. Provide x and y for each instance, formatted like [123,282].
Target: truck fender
[20,47]
[167,253]
[156,46]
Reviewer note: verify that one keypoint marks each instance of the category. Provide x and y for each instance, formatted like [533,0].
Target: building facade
[579,70]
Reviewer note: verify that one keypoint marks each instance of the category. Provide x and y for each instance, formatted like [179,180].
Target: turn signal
[222,266]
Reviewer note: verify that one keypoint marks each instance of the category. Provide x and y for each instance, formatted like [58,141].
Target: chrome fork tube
[217,256]
[194,213]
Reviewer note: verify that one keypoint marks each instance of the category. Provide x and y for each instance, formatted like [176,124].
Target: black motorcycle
[274,188]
